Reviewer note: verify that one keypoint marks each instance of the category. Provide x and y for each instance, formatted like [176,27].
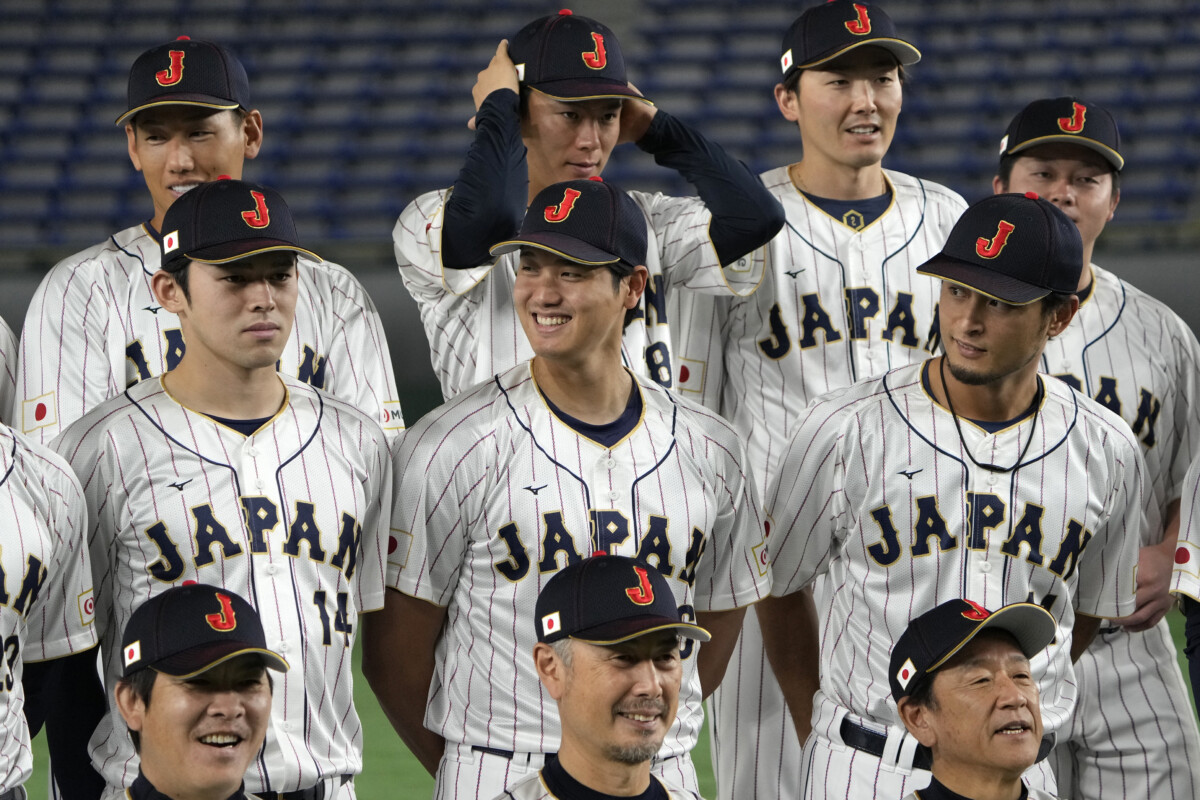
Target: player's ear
[550,669]
[998,186]
[1062,316]
[788,102]
[918,721]
[131,706]
[637,284]
[252,133]
[131,141]
[1112,203]
[167,291]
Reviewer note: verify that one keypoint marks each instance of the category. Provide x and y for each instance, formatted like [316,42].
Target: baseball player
[963,684]
[225,471]
[840,301]
[94,327]
[549,462]
[608,652]
[968,475]
[550,108]
[1133,355]
[200,653]
[47,610]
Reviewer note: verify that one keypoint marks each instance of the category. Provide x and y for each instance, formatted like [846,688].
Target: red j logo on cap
[172,74]
[563,210]
[1073,123]
[860,25]
[643,593]
[990,248]
[260,217]
[979,614]
[596,59]
[224,620]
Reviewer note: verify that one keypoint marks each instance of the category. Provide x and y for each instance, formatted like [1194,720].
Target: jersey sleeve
[1186,407]
[63,366]
[1108,567]
[62,622]
[370,575]
[358,351]
[1185,578]
[8,372]
[440,474]
[734,569]
[449,300]
[806,509]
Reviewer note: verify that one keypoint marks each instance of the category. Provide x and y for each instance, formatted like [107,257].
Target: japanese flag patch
[785,60]
[551,624]
[171,242]
[906,673]
[133,653]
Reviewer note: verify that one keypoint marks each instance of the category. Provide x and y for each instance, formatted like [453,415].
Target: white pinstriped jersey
[1136,357]
[469,319]
[876,491]
[94,327]
[293,518]
[495,494]
[534,788]
[8,372]
[1185,579]
[46,601]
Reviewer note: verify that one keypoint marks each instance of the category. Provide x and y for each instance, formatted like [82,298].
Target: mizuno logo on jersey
[608,531]
[533,490]
[986,516]
[909,473]
[180,485]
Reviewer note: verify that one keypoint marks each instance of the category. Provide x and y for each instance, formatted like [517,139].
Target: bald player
[967,475]
[551,106]
[1133,355]
[840,301]
[94,326]
[549,462]
[225,471]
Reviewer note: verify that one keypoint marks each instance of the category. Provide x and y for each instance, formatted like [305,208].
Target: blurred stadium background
[365,106]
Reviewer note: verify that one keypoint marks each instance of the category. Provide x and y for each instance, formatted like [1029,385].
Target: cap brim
[203,101]
[236,251]
[578,89]
[1031,625]
[1111,156]
[567,247]
[905,53]
[982,280]
[636,627]
[200,659]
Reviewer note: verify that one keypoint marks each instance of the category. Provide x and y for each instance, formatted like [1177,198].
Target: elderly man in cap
[194,692]
[946,478]
[553,460]
[964,688]
[608,652]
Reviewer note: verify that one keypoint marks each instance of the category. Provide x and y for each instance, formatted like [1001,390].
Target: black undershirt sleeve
[488,200]
[744,214]
[66,695]
[1191,630]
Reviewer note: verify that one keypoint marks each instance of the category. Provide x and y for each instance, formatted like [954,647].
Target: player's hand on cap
[1154,599]
[500,73]
[635,118]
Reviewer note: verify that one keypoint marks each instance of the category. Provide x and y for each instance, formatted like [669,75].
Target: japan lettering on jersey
[496,494]
[836,305]
[47,607]
[876,491]
[473,329]
[94,328]
[1134,356]
[293,518]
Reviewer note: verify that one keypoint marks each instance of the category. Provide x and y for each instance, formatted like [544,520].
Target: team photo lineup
[818,482]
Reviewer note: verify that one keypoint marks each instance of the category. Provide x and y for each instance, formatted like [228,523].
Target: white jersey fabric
[8,372]
[293,518]
[761,359]
[47,610]
[496,493]
[876,492]
[94,328]
[1129,734]
[473,329]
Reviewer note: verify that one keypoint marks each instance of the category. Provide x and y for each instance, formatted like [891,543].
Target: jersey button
[985,567]
[250,451]
[608,463]
[614,496]
[993,479]
[258,484]
[272,569]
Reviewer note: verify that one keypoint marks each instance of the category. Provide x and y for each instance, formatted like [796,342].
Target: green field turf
[391,773]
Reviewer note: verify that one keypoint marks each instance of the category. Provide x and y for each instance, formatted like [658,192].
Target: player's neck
[605,776]
[221,390]
[979,784]
[162,781]
[998,400]
[821,178]
[1085,276]
[596,393]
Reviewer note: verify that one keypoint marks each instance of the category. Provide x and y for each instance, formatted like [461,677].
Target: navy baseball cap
[824,32]
[606,600]
[1015,248]
[1064,119]
[224,221]
[190,629]
[587,221]
[187,72]
[570,57]
[933,638]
